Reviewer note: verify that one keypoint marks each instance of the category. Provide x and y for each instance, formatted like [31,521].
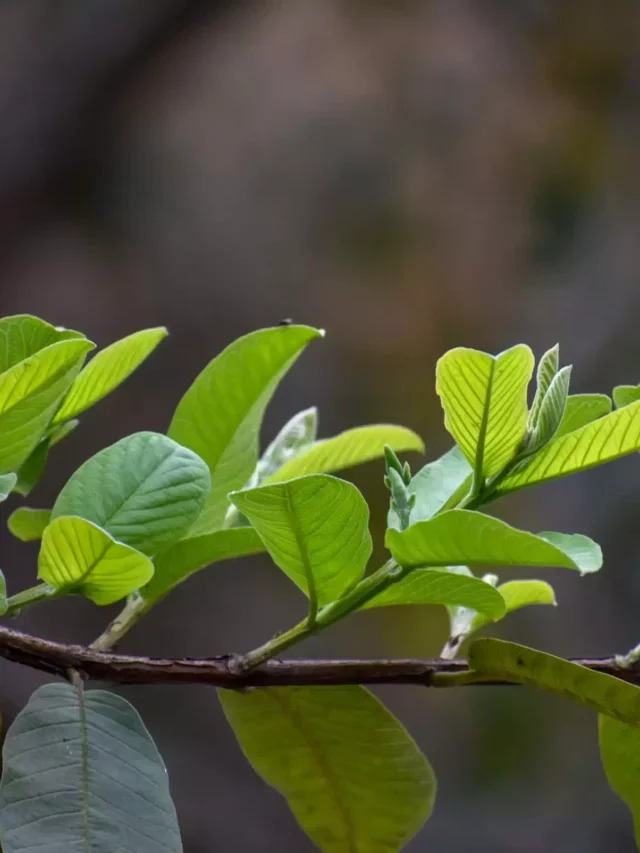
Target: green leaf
[582,409]
[351,774]
[551,411]
[518,594]
[145,490]
[435,485]
[106,370]
[459,537]
[596,690]
[316,529]
[547,369]
[22,336]
[82,773]
[349,448]
[437,586]
[78,556]
[4,605]
[193,553]
[624,395]
[7,484]
[484,398]
[29,394]
[295,437]
[28,524]
[33,468]
[620,754]
[603,440]
[220,415]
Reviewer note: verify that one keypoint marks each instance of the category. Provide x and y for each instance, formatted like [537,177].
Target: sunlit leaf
[7,483]
[23,335]
[582,409]
[28,524]
[519,594]
[436,485]
[625,395]
[620,754]
[437,586]
[106,370]
[349,448]
[193,553]
[352,776]
[603,440]
[29,394]
[220,415]
[315,528]
[77,556]
[547,369]
[145,490]
[596,690]
[459,537]
[485,403]
[551,411]
[81,773]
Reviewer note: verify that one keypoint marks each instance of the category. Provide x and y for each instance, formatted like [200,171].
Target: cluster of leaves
[143,515]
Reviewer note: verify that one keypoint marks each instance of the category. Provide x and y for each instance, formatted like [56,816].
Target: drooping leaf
[620,754]
[596,690]
[349,448]
[484,398]
[436,586]
[435,485]
[518,594]
[459,537]
[551,411]
[28,524]
[4,606]
[352,775]
[106,370]
[29,394]
[7,483]
[624,395]
[547,369]
[145,490]
[78,556]
[582,409]
[23,335]
[316,529]
[220,415]
[193,553]
[81,773]
[600,441]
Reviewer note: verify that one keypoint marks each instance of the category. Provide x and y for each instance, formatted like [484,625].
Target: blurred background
[411,175]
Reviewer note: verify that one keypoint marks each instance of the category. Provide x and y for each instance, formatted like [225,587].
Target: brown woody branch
[59,659]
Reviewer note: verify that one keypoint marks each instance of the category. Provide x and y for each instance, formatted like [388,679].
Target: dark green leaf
[353,777]
[145,490]
[81,773]
[620,753]
[4,606]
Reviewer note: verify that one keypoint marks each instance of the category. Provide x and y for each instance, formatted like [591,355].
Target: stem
[131,613]
[30,596]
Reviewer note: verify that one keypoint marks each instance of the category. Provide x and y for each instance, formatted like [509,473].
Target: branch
[58,659]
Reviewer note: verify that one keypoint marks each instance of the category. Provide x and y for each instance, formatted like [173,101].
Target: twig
[58,659]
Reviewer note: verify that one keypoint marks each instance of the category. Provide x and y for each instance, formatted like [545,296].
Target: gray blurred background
[410,175]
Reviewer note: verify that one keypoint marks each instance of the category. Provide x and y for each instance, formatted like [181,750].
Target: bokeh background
[411,175]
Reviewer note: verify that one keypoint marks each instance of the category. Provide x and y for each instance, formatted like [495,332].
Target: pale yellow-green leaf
[28,524]
[582,409]
[518,594]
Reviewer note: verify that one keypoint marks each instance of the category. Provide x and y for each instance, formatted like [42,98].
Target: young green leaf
[484,398]
[459,537]
[7,483]
[603,440]
[518,594]
[80,773]
[193,553]
[582,409]
[438,586]
[596,690]
[145,490]
[624,395]
[22,336]
[220,415]
[315,528]
[435,485]
[106,370]
[352,775]
[295,437]
[349,448]
[551,411]
[547,369]
[4,606]
[78,556]
[620,754]
[30,391]
[28,524]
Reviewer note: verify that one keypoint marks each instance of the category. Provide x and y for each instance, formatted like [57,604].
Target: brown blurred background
[410,175]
